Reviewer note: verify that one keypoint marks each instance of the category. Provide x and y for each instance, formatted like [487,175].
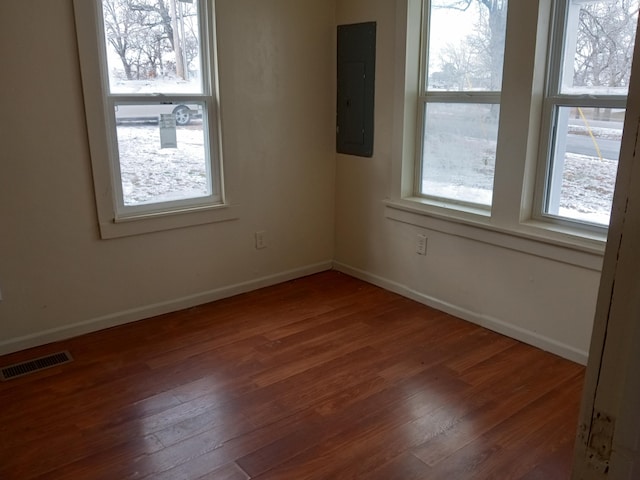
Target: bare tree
[604,40]
[143,32]
[118,25]
[604,47]
[487,42]
[457,65]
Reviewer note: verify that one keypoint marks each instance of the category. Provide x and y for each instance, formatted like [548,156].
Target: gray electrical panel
[356,88]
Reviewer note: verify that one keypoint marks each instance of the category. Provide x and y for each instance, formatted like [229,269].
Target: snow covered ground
[586,193]
[153,174]
[587,187]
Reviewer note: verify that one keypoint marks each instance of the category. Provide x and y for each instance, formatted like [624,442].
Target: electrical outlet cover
[421,246]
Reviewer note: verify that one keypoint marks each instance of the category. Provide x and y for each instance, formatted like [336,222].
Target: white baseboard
[499,326]
[147,311]
[132,315]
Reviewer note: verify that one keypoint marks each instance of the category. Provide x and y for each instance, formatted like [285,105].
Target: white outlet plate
[421,245]
[261,239]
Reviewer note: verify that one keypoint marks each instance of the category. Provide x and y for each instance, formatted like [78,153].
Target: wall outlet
[261,239]
[421,245]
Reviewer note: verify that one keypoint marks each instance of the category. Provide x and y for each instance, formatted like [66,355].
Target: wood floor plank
[320,377]
[517,385]
[553,463]
[404,466]
[313,441]
[228,472]
[490,455]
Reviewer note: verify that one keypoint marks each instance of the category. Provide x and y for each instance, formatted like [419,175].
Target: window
[460,101]
[152,111]
[588,82]
[519,114]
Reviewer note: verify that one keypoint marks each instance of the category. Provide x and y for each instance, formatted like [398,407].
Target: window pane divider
[165,99]
[595,101]
[461,97]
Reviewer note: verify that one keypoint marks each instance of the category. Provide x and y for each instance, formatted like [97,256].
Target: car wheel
[183,115]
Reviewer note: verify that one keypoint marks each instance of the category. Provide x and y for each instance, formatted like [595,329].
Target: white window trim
[558,65]
[112,222]
[465,97]
[512,213]
[426,97]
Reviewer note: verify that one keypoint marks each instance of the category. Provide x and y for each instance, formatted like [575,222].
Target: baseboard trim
[147,311]
[499,326]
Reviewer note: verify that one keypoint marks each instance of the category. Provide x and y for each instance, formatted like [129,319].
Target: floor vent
[35,365]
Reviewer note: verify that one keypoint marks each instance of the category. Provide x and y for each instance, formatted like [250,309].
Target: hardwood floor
[324,377]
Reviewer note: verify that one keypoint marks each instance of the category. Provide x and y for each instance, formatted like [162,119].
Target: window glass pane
[585,163]
[161,160]
[153,46]
[599,40]
[466,45]
[459,151]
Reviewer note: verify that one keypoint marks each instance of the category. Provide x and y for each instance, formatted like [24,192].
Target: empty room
[286,239]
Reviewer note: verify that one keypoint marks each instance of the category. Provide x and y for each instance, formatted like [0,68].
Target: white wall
[540,293]
[58,278]
[277,62]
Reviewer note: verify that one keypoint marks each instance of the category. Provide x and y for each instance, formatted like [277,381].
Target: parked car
[151,112]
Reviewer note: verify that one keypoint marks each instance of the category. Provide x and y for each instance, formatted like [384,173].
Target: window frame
[553,100]
[511,222]
[514,209]
[115,220]
[426,96]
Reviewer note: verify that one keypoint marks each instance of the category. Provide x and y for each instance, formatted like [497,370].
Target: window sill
[562,244]
[443,209]
[148,223]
